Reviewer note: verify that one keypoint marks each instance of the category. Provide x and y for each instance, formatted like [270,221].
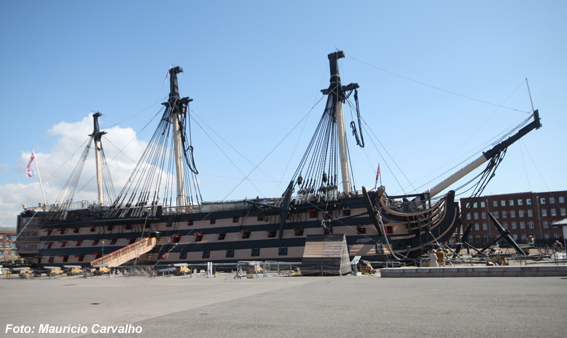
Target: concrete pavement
[294,306]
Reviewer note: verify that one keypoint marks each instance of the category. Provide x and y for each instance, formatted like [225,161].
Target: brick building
[527,214]
[7,244]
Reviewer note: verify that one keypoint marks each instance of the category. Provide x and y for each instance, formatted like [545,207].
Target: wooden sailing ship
[159,216]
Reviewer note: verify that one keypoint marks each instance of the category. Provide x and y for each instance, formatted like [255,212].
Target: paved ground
[283,307]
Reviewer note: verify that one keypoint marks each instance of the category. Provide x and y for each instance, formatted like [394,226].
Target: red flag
[31,166]
[166,75]
[377,176]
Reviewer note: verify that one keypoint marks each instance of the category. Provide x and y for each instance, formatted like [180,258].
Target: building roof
[562,222]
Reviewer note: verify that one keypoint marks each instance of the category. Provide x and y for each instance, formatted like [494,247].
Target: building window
[505,225]
[512,214]
[471,239]
[556,236]
[482,205]
[483,215]
[562,211]
[494,203]
[255,252]
[206,253]
[511,203]
[542,200]
[545,224]
[515,237]
[546,236]
[477,227]
[468,205]
[229,253]
[528,201]
[478,239]
[551,200]
[561,199]
[553,213]
[522,225]
[475,205]
[531,225]
[476,215]
[503,203]
[504,214]
[469,216]
[513,225]
[282,251]
[485,238]
[183,254]
[544,212]
[496,215]
[520,202]
[530,213]
[521,212]
[65,259]
[484,226]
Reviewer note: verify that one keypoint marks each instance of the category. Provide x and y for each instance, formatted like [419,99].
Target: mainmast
[337,93]
[175,116]
[97,135]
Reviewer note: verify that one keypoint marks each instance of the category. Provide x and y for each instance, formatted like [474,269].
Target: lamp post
[102,257]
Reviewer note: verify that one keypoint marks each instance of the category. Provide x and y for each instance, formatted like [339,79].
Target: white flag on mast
[31,166]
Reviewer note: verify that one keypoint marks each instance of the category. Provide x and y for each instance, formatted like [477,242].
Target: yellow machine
[23,272]
[6,272]
[73,270]
[181,269]
[101,269]
[53,270]
[365,267]
[495,257]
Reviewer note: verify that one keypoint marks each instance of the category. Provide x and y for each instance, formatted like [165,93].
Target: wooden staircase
[127,253]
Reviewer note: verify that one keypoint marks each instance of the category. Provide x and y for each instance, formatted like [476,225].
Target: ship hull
[238,231]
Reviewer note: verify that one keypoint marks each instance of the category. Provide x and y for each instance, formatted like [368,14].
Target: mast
[337,92]
[97,135]
[177,141]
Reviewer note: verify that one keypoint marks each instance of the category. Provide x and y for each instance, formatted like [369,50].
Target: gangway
[127,253]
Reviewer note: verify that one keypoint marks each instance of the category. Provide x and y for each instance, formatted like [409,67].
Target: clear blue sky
[431,76]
